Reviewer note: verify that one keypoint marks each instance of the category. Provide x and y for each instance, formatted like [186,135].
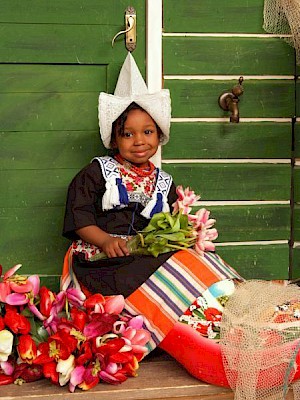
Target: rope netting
[283,18]
[260,340]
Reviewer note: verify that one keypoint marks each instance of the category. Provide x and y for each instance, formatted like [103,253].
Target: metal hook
[130,31]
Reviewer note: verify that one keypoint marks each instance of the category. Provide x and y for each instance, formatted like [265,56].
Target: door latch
[130,29]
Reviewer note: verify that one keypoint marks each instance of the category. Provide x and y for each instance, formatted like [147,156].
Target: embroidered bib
[117,196]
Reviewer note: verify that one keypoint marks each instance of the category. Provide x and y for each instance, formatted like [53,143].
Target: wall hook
[129,31]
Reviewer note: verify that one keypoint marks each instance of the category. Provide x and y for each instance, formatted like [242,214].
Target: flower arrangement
[177,231]
[67,338]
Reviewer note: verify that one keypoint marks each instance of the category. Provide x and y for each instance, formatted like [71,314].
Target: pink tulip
[186,198]
[13,289]
[76,377]
[136,322]
[16,299]
[115,304]
[75,296]
[7,367]
[112,379]
[21,288]
[137,338]
[11,271]
[4,291]
[201,218]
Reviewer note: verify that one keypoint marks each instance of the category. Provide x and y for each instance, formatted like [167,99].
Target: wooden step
[158,378]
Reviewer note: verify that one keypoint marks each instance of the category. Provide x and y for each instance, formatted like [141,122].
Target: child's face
[140,139]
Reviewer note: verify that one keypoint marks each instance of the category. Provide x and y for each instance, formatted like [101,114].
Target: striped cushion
[168,293]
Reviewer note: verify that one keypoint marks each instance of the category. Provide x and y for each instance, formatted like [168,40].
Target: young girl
[113,198]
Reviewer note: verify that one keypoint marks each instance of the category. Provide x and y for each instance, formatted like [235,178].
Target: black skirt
[118,275]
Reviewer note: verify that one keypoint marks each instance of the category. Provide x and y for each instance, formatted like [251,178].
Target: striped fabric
[68,278]
[168,293]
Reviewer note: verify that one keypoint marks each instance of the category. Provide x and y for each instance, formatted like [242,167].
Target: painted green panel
[251,223]
[213,16]
[35,188]
[53,44]
[30,78]
[261,99]
[259,261]
[296,263]
[220,56]
[234,181]
[297,223]
[48,150]
[52,282]
[298,95]
[32,237]
[297,184]
[297,140]
[49,111]
[226,140]
[99,12]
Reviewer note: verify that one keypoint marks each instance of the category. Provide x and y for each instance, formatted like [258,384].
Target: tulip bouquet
[67,338]
[177,231]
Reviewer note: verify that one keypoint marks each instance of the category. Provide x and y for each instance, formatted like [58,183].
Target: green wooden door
[243,171]
[55,58]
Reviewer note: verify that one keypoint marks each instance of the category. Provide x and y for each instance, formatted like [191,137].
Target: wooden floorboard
[161,379]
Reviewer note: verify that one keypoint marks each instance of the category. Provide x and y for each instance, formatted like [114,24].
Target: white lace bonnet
[132,88]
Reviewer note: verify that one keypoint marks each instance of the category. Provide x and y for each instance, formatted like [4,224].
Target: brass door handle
[129,31]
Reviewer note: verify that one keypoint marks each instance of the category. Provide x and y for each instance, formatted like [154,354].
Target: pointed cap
[132,88]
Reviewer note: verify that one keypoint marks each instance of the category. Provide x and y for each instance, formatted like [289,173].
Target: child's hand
[115,247]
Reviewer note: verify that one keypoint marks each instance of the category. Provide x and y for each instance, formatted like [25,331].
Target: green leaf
[184,221]
[174,237]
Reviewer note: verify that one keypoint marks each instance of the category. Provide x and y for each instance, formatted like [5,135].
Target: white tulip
[6,343]
[65,368]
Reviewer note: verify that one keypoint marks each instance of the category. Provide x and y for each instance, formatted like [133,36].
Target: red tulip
[90,378]
[49,372]
[27,349]
[2,324]
[6,380]
[46,300]
[16,322]
[79,318]
[85,354]
[27,372]
[58,346]
[95,300]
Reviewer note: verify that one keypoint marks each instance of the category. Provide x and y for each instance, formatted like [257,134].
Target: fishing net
[283,17]
[260,340]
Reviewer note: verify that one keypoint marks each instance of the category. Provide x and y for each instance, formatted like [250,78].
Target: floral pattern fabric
[136,183]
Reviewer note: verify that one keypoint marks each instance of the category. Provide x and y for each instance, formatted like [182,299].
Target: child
[115,196]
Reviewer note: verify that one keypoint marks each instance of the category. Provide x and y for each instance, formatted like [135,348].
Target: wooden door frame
[154,25]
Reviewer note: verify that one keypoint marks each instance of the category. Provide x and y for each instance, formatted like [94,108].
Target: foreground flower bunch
[177,231]
[67,338]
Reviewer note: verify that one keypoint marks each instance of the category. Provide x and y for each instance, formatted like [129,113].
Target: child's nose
[139,138]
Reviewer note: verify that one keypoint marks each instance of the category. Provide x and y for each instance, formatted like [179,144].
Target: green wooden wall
[55,58]
[242,171]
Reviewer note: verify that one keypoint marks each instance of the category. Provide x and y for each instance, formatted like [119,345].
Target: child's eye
[127,134]
[148,131]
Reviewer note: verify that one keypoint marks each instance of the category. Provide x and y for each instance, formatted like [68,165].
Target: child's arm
[112,246]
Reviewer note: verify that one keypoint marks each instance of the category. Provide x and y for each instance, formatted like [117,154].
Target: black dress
[119,275]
